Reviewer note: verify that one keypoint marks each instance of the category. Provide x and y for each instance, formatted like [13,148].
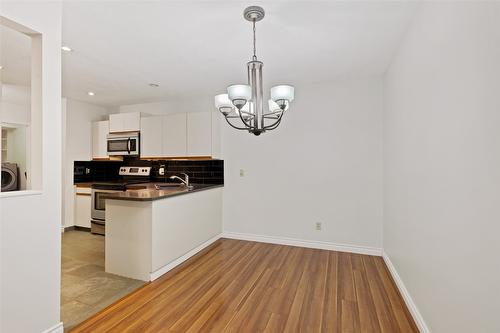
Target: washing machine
[10,177]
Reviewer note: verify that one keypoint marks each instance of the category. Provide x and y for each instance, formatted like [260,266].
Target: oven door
[99,204]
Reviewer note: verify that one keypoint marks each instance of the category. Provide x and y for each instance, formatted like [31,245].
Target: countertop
[148,192]
[85,185]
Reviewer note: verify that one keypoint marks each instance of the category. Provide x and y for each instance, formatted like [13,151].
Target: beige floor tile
[85,287]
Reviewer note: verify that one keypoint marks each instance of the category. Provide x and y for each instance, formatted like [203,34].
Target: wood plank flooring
[240,286]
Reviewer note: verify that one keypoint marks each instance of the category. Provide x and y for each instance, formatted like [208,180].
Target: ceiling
[15,57]
[194,49]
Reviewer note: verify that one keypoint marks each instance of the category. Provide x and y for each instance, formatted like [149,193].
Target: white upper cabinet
[174,135]
[100,131]
[125,122]
[199,134]
[152,136]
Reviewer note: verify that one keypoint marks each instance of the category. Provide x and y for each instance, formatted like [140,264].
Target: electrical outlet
[242,173]
[161,171]
[318,225]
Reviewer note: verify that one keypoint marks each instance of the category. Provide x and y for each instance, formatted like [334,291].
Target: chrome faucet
[185,181]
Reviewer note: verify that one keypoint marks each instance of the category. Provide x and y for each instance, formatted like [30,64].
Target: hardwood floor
[240,286]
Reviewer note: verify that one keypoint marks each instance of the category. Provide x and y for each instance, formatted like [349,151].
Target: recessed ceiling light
[154,85]
[91,93]
[66,49]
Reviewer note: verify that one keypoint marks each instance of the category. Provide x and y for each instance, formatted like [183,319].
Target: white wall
[323,164]
[30,225]
[15,104]
[77,146]
[442,165]
[174,106]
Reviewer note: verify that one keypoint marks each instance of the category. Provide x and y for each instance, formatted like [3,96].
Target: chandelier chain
[254,42]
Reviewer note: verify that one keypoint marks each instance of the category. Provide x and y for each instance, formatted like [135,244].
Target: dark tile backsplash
[88,171]
[200,172]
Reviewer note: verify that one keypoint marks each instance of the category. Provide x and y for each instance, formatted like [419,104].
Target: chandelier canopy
[245,102]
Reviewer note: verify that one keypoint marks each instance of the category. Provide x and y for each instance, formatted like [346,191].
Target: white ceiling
[15,57]
[195,49]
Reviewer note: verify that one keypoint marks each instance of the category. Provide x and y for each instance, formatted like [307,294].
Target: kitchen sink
[166,186]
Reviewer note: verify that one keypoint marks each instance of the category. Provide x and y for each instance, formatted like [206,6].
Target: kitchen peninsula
[149,231]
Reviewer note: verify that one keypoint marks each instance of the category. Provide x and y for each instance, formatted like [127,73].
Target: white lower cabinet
[83,205]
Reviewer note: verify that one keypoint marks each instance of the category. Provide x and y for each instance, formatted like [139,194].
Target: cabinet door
[82,209]
[174,135]
[151,137]
[199,134]
[124,122]
[100,130]
[116,123]
[131,121]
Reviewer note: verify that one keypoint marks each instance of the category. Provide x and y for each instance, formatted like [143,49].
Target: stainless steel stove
[130,175]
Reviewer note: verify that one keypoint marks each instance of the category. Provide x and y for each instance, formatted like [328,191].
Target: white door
[199,134]
[151,137]
[174,135]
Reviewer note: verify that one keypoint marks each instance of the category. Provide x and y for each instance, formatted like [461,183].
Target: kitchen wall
[442,165]
[77,145]
[323,164]
[30,228]
[15,104]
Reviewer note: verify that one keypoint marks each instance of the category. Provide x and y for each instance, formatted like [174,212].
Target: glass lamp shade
[283,92]
[239,94]
[222,101]
[274,107]
[223,104]
[245,108]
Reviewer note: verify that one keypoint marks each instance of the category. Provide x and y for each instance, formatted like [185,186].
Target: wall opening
[20,108]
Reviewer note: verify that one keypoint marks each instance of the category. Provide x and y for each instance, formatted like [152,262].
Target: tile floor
[85,287]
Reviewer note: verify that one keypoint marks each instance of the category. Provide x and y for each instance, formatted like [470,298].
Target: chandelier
[245,102]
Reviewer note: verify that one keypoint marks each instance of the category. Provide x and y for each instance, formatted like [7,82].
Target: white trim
[412,307]
[373,251]
[159,272]
[58,328]
[24,193]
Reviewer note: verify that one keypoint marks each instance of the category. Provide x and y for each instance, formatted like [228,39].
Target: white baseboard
[159,272]
[305,243]
[412,307]
[58,328]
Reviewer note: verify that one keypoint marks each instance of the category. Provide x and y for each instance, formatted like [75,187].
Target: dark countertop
[84,184]
[148,192]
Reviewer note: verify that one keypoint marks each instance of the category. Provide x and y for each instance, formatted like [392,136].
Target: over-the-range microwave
[123,144]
